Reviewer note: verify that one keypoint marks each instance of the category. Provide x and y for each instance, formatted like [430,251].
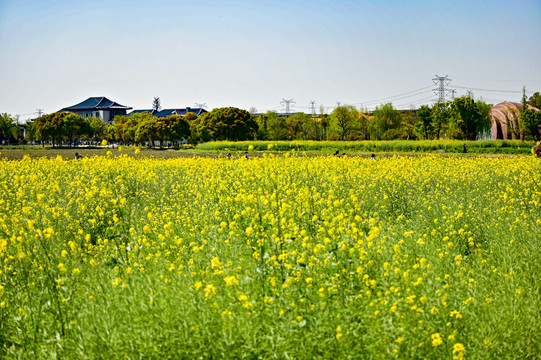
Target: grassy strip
[445,146]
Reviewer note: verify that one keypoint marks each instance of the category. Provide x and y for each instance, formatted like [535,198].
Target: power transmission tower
[441,81]
[313,108]
[39,111]
[453,92]
[338,103]
[287,103]
[469,93]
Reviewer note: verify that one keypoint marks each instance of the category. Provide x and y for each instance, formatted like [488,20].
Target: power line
[415,102]
[394,96]
[493,90]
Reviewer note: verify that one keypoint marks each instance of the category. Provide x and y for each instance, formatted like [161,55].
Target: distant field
[311,148]
[515,147]
[17,153]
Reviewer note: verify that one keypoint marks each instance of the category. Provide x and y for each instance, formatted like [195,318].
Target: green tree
[179,128]
[535,100]
[126,126]
[299,126]
[271,127]
[74,126]
[51,127]
[146,131]
[423,125]
[8,127]
[530,121]
[97,127]
[440,119]
[409,119]
[386,119]
[162,129]
[468,119]
[324,122]
[345,117]
[30,133]
[227,123]
[190,116]
[307,127]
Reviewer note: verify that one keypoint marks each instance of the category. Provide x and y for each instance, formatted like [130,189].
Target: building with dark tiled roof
[168,112]
[98,107]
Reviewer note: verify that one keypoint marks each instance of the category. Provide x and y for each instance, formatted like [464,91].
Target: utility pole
[441,81]
[313,108]
[287,103]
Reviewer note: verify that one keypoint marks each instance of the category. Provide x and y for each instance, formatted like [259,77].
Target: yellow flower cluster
[336,246]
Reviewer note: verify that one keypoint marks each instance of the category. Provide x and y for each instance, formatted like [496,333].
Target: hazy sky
[240,53]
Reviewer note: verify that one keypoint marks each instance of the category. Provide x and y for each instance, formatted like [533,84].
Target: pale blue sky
[254,53]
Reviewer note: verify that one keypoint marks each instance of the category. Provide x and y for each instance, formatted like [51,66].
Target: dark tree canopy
[8,128]
[227,123]
[345,117]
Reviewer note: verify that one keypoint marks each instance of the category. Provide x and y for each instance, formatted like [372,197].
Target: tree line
[463,118]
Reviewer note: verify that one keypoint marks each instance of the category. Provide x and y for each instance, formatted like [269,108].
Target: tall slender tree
[8,127]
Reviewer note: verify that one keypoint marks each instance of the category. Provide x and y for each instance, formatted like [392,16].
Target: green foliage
[301,126]
[468,118]
[147,129]
[535,100]
[385,118]
[75,127]
[423,126]
[98,128]
[271,127]
[371,146]
[8,127]
[126,126]
[227,123]
[530,122]
[440,115]
[346,118]
[30,134]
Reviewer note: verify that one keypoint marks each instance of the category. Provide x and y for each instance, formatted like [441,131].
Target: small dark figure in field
[337,153]
[373,157]
[246,154]
[464,148]
[229,155]
[78,156]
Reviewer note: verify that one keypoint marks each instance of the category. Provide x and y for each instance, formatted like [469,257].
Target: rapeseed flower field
[272,257]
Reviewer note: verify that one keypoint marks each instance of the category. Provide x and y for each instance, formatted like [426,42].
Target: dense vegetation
[461,119]
[396,146]
[274,257]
